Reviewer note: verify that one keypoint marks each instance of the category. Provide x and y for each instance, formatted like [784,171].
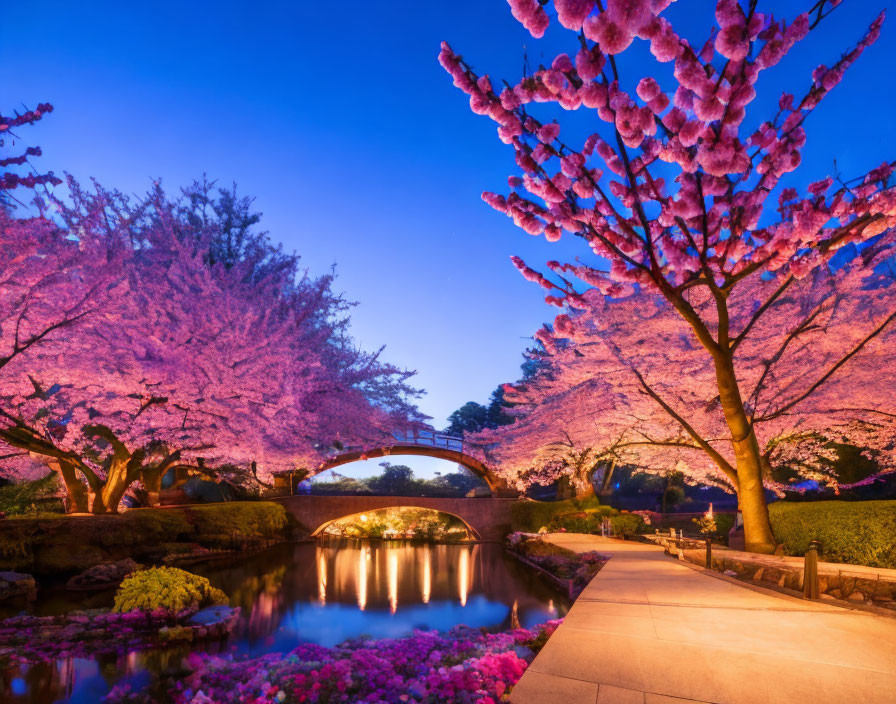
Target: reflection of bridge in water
[425,443]
[397,582]
[381,574]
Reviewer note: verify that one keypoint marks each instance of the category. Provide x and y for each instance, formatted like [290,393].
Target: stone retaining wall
[855,583]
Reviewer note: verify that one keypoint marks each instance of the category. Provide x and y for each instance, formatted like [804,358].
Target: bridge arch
[322,527]
[487,518]
[426,444]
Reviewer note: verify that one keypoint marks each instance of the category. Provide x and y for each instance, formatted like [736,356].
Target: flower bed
[462,666]
[571,570]
[26,640]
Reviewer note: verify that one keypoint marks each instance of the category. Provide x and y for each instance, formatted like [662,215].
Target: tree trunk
[750,492]
[152,482]
[582,484]
[565,489]
[606,486]
[77,494]
[118,479]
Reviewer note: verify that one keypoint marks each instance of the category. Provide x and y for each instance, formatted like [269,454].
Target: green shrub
[627,524]
[855,532]
[531,516]
[60,543]
[150,525]
[167,588]
[31,498]
[724,523]
[244,520]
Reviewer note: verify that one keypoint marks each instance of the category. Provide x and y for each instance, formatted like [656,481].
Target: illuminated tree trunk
[582,485]
[152,482]
[750,491]
[77,494]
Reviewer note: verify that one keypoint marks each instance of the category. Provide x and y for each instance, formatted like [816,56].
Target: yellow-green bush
[856,532]
[167,588]
[531,516]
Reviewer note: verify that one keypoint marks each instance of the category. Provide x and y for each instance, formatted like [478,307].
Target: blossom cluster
[462,666]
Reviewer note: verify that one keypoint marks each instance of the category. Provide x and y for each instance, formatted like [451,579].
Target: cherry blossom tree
[671,195]
[183,361]
[604,365]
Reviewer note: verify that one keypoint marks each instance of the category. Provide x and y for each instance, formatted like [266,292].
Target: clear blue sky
[359,151]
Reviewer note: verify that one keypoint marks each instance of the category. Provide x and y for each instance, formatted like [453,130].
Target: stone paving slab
[650,630]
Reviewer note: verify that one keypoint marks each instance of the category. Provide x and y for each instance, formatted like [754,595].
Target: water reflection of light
[463,576]
[321,577]
[427,576]
[393,580]
[362,577]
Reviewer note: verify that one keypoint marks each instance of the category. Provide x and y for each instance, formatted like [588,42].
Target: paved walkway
[650,630]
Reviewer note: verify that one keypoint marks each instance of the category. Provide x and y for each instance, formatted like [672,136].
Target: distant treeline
[399,480]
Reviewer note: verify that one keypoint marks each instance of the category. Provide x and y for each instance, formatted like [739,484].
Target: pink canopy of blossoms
[698,250]
[810,364]
[119,339]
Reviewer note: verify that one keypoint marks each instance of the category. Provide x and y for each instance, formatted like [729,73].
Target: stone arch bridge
[417,442]
[488,519]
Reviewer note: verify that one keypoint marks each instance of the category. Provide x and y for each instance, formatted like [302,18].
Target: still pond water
[323,593]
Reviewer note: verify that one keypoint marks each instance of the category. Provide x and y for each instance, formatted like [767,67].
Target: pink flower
[612,37]
[732,42]
[664,43]
[531,15]
[571,13]
[589,63]
[548,133]
[648,89]
[630,15]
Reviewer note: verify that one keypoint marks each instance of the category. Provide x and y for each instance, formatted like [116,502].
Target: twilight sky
[360,152]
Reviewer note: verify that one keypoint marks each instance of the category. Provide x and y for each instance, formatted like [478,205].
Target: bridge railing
[429,438]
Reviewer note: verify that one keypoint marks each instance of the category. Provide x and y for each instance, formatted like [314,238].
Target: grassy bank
[58,544]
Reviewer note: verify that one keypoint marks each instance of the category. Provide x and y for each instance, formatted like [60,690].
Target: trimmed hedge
[531,516]
[627,524]
[854,532]
[63,544]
